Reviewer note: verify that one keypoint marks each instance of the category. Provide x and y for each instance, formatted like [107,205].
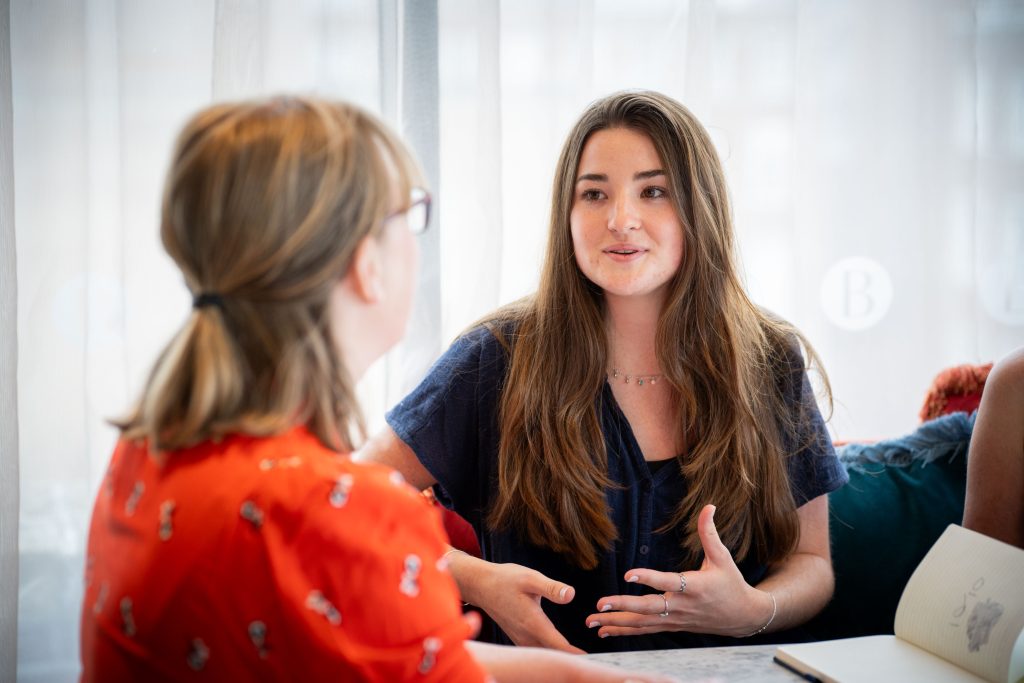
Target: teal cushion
[902,494]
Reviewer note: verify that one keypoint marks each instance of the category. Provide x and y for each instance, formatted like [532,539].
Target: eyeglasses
[417,214]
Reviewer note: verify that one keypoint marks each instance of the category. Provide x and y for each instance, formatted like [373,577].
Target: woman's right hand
[511,594]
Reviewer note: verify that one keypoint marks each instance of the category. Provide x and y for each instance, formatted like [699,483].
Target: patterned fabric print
[133,500]
[228,559]
[101,599]
[258,636]
[166,524]
[128,621]
[268,464]
[339,494]
[431,646]
[252,514]
[322,606]
[410,577]
[198,653]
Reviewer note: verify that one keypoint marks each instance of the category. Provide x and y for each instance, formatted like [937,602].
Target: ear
[366,272]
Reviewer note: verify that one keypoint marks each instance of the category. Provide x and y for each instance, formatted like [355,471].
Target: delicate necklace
[640,379]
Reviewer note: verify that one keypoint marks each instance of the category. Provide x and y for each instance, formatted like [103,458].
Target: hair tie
[204,299]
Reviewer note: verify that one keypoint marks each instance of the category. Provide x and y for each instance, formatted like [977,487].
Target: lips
[624,251]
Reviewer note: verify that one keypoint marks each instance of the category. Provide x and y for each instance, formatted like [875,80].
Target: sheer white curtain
[875,152]
[8,370]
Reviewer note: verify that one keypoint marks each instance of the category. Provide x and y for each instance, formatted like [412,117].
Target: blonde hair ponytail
[264,206]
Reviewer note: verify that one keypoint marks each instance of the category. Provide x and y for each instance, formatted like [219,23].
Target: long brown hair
[264,206]
[726,360]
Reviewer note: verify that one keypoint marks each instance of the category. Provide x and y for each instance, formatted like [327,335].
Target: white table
[743,664]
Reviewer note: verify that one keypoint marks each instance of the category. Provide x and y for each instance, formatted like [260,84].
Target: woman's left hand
[716,599]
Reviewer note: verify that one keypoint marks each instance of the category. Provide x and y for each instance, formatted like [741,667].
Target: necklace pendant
[638,380]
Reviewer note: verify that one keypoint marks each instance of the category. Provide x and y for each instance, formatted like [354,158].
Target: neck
[632,325]
[345,314]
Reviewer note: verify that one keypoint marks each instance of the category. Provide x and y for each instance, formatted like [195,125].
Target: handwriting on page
[983,616]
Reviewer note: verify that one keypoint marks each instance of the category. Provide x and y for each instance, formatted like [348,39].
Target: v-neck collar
[635,454]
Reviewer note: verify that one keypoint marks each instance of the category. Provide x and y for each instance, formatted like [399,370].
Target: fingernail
[602,635]
[561,593]
[633,579]
[594,624]
[606,608]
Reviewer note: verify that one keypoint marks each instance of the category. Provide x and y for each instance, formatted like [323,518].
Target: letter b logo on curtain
[856,293]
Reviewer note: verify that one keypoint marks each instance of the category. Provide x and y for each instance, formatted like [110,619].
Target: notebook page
[871,659]
[965,603]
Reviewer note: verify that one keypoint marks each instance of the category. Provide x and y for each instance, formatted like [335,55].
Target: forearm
[533,664]
[802,585]
[516,664]
[468,571]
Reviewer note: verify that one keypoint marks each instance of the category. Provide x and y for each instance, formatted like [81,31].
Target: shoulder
[480,352]
[1002,397]
[363,513]
[298,462]
[290,482]
[381,489]
[784,353]
[491,334]
[1009,370]
[784,339]
[484,335]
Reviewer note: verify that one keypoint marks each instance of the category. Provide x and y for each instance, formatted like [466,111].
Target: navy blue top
[451,423]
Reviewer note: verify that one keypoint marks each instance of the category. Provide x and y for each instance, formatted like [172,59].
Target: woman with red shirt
[232,538]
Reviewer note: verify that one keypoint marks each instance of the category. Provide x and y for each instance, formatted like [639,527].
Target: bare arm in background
[995,466]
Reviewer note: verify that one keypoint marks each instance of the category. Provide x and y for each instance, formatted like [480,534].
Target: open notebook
[960,618]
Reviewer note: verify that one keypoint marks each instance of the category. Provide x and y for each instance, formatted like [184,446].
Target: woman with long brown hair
[637,442]
[231,540]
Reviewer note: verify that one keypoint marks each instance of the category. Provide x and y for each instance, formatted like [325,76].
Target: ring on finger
[682,583]
[664,596]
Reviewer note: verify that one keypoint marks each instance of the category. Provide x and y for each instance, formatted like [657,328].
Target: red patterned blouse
[270,559]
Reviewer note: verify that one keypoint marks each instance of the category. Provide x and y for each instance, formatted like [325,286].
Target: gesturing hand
[511,595]
[716,599]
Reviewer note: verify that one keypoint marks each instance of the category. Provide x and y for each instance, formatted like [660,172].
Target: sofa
[902,495]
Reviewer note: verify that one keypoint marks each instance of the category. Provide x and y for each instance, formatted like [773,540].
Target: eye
[653,192]
[591,195]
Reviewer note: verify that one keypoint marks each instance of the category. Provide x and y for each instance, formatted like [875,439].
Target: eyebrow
[602,178]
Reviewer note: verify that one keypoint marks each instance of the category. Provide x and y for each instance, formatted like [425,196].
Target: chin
[636,293]
[627,290]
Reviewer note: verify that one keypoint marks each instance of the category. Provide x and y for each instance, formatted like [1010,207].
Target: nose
[623,216]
